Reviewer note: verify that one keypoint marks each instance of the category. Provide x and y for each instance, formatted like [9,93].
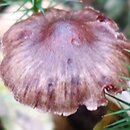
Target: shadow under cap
[58,61]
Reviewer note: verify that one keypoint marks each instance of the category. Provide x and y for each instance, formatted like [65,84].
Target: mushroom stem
[85,119]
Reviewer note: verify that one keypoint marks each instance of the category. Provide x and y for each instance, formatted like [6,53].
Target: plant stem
[36,5]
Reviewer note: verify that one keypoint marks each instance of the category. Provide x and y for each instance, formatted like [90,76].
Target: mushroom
[63,59]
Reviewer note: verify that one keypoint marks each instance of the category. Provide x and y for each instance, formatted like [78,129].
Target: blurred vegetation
[119,10]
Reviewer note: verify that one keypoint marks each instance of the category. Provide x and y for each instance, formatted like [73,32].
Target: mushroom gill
[58,61]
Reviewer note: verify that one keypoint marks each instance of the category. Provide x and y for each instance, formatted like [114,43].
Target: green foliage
[124,122]
[36,6]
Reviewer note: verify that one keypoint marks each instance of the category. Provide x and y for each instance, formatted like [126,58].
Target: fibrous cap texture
[58,61]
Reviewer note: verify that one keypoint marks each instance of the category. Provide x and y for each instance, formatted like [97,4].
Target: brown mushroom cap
[63,59]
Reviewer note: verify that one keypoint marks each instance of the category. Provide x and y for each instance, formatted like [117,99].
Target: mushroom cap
[58,61]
